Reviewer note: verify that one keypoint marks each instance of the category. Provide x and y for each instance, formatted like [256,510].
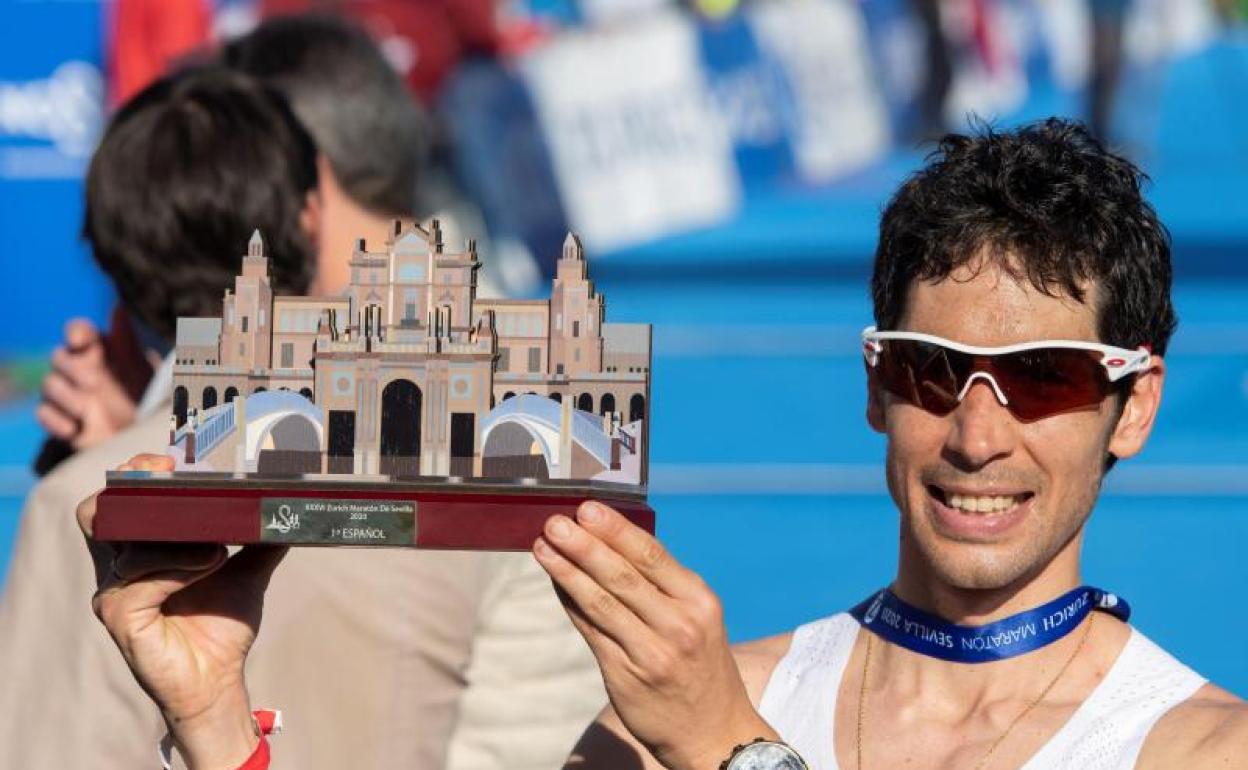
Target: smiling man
[1022,299]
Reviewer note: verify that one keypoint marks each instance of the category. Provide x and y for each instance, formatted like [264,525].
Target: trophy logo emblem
[283,520]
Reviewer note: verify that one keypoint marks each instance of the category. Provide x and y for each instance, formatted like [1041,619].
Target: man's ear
[875,401]
[1140,411]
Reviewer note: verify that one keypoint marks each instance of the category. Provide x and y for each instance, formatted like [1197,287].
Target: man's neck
[343,222]
[918,585]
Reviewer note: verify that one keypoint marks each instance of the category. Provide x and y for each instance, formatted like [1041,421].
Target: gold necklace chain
[983,762]
[862,694]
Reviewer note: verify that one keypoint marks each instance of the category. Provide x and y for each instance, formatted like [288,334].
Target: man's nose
[982,429]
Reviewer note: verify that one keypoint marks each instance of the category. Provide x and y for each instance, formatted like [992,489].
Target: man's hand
[83,403]
[184,617]
[658,633]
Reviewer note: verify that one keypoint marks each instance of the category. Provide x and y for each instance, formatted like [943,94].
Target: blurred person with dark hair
[464,635]
[169,233]
[183,175]
[371,137]
[167,250]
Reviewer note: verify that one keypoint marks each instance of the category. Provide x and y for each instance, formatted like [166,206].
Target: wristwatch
[762,754]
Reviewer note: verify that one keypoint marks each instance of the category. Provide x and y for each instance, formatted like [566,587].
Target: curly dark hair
[186,170]
[1050,204]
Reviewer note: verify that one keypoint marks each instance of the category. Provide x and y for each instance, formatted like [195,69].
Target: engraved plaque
[332,521]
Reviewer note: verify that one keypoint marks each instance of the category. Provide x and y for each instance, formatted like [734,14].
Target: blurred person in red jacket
[422,40]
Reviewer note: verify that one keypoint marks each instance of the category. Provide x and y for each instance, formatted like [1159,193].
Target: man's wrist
[222,737]
[712,753]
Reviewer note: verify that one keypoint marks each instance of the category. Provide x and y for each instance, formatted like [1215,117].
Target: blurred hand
[184,617]
[658,633]
[83,403]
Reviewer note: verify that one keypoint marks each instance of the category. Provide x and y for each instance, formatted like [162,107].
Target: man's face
[984,498]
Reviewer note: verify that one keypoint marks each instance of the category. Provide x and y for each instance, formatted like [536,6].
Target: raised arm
[184,618]
[678,697]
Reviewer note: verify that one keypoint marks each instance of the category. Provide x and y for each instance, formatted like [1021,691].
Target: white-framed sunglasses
[1032,379]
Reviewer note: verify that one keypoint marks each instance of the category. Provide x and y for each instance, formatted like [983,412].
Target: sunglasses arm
[1117,367]
[871,350]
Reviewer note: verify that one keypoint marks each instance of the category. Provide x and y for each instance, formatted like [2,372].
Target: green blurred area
[21,377]
[1234,9]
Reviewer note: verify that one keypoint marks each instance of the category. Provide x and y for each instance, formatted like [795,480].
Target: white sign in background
[637,147]
[49,127]
[841,118]
[603,12]
[1155,30]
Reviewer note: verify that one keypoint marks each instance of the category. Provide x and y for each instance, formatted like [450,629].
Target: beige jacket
[413,660]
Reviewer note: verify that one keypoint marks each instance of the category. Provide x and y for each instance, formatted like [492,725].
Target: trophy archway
[400,429]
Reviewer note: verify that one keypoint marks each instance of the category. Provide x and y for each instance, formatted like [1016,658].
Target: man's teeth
[983,503]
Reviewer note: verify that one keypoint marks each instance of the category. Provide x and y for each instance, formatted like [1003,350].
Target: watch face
[767,756]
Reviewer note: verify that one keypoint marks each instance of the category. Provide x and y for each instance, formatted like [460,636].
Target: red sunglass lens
[1048,381]
[921,373]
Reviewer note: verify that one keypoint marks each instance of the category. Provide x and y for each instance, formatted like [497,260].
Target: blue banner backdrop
[51,110]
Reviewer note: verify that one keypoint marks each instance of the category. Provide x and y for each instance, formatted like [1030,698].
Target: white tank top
[1105,733]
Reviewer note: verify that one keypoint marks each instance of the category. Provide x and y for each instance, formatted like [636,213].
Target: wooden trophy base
[376,511]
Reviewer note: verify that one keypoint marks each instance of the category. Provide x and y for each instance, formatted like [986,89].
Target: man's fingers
[136,561]
[81,334]
[144,462]
[56,422]
[148,580]
[117,604]
[640,548]
[84,367]
[252,567]
[602,609]
[86,516]
[104,554]
[150,462]
[60,392]
[605,649]
[611,571]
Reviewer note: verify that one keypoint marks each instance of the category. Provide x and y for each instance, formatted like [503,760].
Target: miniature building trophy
[406,411]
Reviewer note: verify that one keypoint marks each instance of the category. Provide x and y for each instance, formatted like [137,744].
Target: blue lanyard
[907,626]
